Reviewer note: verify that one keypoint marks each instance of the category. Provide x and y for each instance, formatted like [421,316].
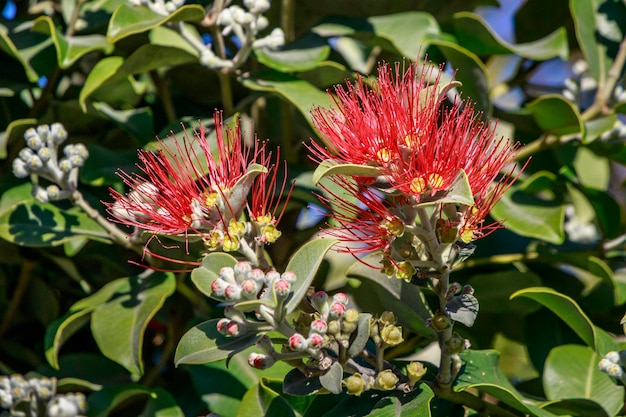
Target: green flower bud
[391,335]
[456,344]
[386,380]
[440,321]
[415,371]
[387,317]
[405,271]
[350,321]
[355,384]
[334,327]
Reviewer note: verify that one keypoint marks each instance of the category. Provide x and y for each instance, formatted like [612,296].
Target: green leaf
[303,54]
[203,276]
[556,115]
[63,328]
[332,167]
[298,92]
[463,308]
[459,192]
[416,403]
[203,343]
[71,48]
[361,335]
[472,73]
[14,130]
[101,166]
[159,402]
[407,32]
[474,33]
[571,313]
[304,263]
[26,47]
[262,400]
[530,216]
[493,288]
[481,371]
[26,222]
[296,383]
[128,20]
[598,126]
[146,58]
[138,123]
[331,380]
[571,371]
[576,406]
[608,211]
[598,30]
[118,325]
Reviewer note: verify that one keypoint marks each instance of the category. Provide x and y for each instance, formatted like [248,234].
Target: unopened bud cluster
[161,7]
[244,23]
[613,365]
[38,396]
[41,158]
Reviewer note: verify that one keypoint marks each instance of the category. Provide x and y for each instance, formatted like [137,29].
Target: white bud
[77,161]
[43,131]
[62,407]
[45,154]
[53,192]
[35,163]
[25,154]
[58,134]
[81,150]
[170,7]
[34,142]
[40,194]
[65,165]
[20,169]
[579,67]
[612,356]
[262,23]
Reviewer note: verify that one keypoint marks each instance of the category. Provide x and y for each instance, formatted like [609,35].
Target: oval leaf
[332,167]
[332,379]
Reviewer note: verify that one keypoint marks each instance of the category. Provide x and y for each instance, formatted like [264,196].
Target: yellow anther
[435,180]
[270,233]
[230,243]
[418,185]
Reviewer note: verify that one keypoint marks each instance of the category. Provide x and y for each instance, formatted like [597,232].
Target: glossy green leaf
[26,222]
[159,403]
[597,30]
[332,378]
[576,406]
[70,49]
[25,46]
[481,371]
[138,123]
[361,335]
[298,92]
[492,289]
[304,263]
[203,343]
[598,126]
[471,72]
[146,58]
[263,401]
[406,31]
[63,328]
[128,20]
[556,115]
[608,211]
[571,371]
[164,36]
[474,33]
[332,167]
[527,215]
[101,166]
[14,131]
[571,313]
[118,325]
[301,55]
[413,404]
[203,276]
[404,299]
[296,383]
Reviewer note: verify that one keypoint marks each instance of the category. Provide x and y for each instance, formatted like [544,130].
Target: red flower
[182,188]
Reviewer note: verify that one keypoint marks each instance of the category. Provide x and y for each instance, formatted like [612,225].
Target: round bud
[386,380]
[62,407]
[391,335]
[232,292]
[337,310]
[440,321]
[341,297]
[289,276]
[43,131]
[260,360]
[298,343]
[315,340]
[355,384]
[257,275]
[282,288]
[35,163]
[53,192]
[58,134]
[65,165]
[249,288]
[242,268]
[20,169]
[319,326]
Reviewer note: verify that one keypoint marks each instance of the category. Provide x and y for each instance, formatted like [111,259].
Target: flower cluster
[36,396]
[40,158]
[400,145]
[186,188]
[613,365]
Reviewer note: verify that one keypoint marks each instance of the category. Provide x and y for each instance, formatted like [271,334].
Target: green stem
[20,290]
[287,21]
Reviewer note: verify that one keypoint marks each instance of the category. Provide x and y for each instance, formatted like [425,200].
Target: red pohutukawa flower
[421,145]
[194,186]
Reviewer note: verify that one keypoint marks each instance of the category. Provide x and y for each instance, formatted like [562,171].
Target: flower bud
[386,380]
[265,344]
[62,407]
[387,317]
[415,371]
[289,276]
[242,268]
[6,399]
[232,292]
[319,326]
[25,154]
[43,131]
[319,300]
[341,297]
[298,343]
[271,276]
[334,327]
[355,384]
[468,289]
[249,289]
[260,360]
[228,274]
[40,194]
[282,288]
[45,154]
[34,142]
[604,364]
[440,321]
[613,356]
[391,335]
[452,290]
[65,165]
[221,325]
[615,371]
[35,163]
[337,310]
[405,271]
[257,275]
[350,321]
[218,286]
[315,340]
[456,344]
[58,134]
[20,169]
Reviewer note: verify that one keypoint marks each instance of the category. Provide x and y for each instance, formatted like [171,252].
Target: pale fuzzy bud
[58,134]
[35,163]
[341,297]
[5,383]
[386,380]
[62,407]
[30,132]
[232,292]
[350,320]
[6,399]
[170,7]
[40,194]
[319,326]
[315,340]
[336,310]
[45,154]
[218,286]
[260,360]
[20,169]
[262,23]
[298,343]
[228,274]
[289,276]
[391,335]
[65,165]
[257,6]
[355,384]
[53,192]
[265,344]
[282,288]
[221,325]
[613,356]
[319,301]
[242,268]
[257,275]
[249,289]
[77,161]
[25,154]
[270,277]
[615,371]
[274,40]
[35,142]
